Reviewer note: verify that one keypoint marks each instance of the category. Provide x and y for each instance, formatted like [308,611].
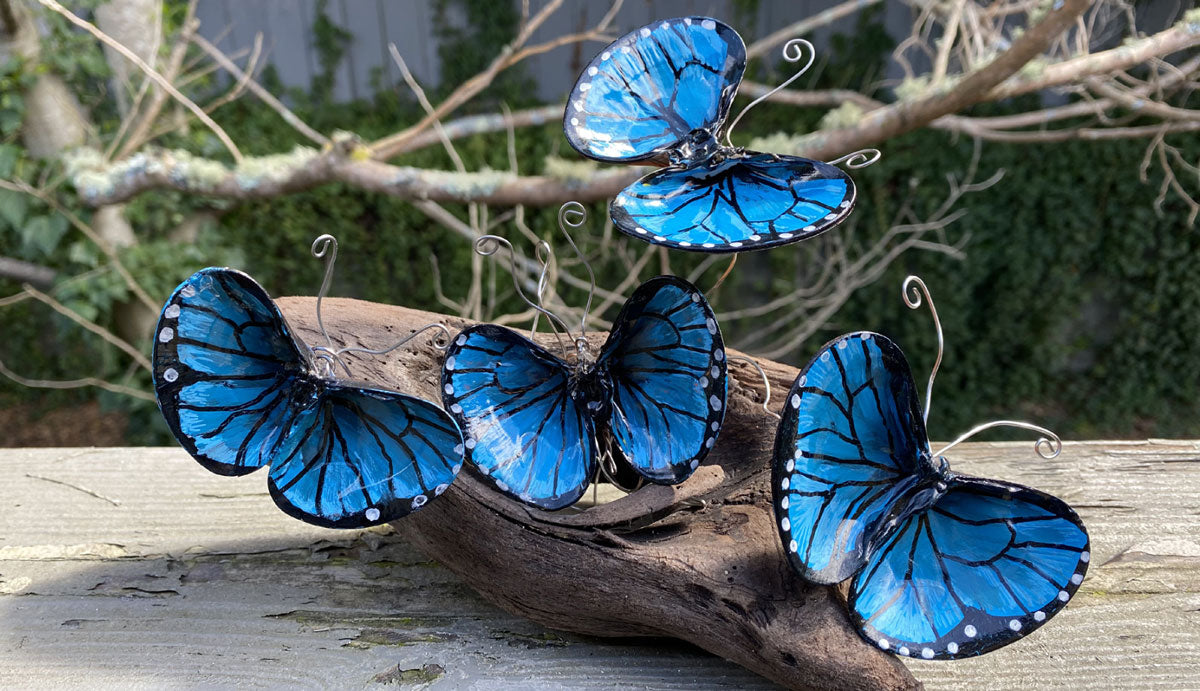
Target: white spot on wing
[440,488]
[969,630]
[1077,578]
[714,402]
[785,524]
[708,24]
[456,409]
[1063,596]
[927,653]
[172,311]
[1085,557]
[952,647]
[166,334]
[795,400]
[449,389]
[711,325]
[187,291]
[1014,624]
[1039,615]
[419,501]
[170,374]
[371,514]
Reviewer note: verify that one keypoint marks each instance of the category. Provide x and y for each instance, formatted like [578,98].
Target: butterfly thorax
[590,386]
[914,494]
[699,146]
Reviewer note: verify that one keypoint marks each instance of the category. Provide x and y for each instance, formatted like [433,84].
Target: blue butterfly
[661,95]
[536,426]
[240,391]
[943,565]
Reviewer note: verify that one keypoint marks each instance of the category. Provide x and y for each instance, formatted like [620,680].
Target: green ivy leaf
[10,120]
[8,160]
[12,205]
[43,233]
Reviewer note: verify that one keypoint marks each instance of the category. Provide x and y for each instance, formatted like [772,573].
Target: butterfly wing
[741,203]
[666,363]
[359,456]
[523,429]
[988,563]
[225,366]
[649,89]
[850,443]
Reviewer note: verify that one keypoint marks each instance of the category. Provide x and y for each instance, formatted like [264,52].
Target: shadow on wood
[700,561]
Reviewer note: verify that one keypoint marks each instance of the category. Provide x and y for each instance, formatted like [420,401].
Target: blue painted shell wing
[649,89]
[523,430]
[987,564]
[667,365]
[225,364]
[850,433]
[741,203]
[359,456]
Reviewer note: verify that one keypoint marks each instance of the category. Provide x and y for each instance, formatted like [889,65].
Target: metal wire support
[766,404]
[793,51]
[325,245]
[565,221]
[488,245]
[912,291]
[858,159]
[544,256]
[1047,446]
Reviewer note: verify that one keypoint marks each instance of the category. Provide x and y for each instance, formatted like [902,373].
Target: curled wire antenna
[325,245]
[1047,446]
[573,215]
[793,51]
[858,159]
[488,245]
[329,358]
[766,404]
[913,290]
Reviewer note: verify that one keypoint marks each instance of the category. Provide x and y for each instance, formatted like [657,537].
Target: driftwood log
[700,561]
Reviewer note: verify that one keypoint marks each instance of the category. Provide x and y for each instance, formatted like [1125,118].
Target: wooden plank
[137,567]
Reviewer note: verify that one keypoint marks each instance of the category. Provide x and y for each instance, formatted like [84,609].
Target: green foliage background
[1078,305]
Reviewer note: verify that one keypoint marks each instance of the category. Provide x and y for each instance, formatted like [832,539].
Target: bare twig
[150,72]
[90,325]
[257,89]
[509,56]
[80,488]
[74,384]
[806,25]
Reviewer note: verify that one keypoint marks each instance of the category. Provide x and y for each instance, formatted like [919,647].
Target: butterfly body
[942,565]
[239,391]
[661,95]
[536,425]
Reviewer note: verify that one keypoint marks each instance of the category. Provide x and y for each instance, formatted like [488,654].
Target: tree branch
[905,116]
[27,272]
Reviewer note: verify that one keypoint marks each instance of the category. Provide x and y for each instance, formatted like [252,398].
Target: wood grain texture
[137,567]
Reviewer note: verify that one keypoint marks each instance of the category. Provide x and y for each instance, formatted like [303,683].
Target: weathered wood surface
[136,566]
[174,576]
